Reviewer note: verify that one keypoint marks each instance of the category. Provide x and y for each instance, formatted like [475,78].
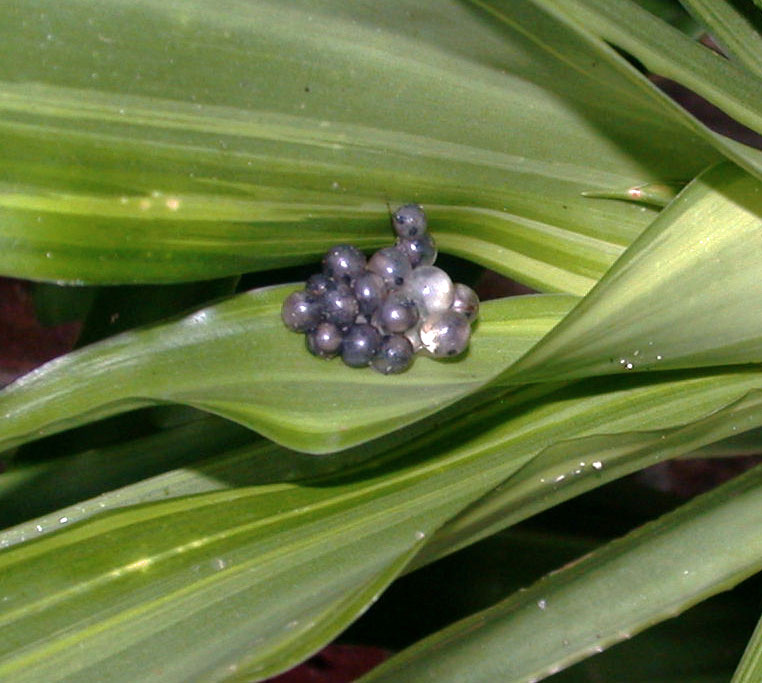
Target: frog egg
[339,306]
[395,355]
[446,334]
[421,251]
[392,265]
[466,302]
[413,335]
[431,289]
[397,313]
[318,284]
[300,312]
[360,345]
[343,263]
[409,221]
[370,291]
[324,341]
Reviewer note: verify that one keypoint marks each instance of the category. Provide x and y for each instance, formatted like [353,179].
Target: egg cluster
[383,310]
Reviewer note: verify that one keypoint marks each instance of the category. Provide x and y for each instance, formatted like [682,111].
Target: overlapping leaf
[167,141]
[682,296]
[750,666]
[733,28]
[244,581]
[237,359]
[665,51]
[652,574]
[686,294]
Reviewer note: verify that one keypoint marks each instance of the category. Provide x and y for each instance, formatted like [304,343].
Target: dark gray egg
[370,291]
[318,284]
[409,221]
[395,355]
[300,312]
[397,313]
[420,251]
[360,345]
[325,340]
[392,265]
[343,263]
[339,306]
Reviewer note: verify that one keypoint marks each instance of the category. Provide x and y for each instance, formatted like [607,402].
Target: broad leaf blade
[238,360]
[686,294]
[733,29]
[570,468]
[750,667]
[653,573]
[668,53]
[194,165]
[180,580]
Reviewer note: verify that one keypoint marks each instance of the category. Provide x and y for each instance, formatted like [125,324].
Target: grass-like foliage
[163,161]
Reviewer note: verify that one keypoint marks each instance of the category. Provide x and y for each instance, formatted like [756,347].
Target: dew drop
[542,604]
[63,520]
[598,465]
[38,527]
[420,535]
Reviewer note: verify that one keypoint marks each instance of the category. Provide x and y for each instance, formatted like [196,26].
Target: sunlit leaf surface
[164,140]
[238,360]
[256,576]
[666,51]
[686,294]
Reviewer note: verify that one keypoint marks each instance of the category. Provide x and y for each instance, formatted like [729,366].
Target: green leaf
[736,30]
[570,468]
[653,573]
[750,667]
[30,493]
[135,149]
[667,52]
[229,578]
[684,295]
[237,359]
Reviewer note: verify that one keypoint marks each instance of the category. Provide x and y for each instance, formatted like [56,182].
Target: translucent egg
[300,312]
[395,355]
[409,221]
[339,306]
[392,265]
[325,340]
[444,335]
[466,301]
[343,263]
[397,313]
[370,291]
[360,345]
[431,289]
[421,251]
